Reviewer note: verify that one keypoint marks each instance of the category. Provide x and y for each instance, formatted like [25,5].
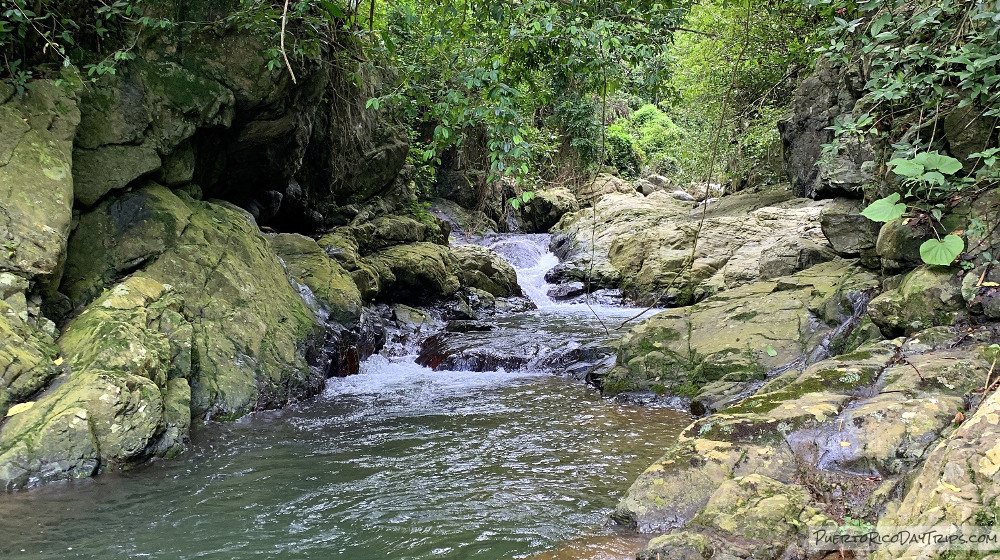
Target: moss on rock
[330,283]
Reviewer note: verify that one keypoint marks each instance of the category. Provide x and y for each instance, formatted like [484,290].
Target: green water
[399,462]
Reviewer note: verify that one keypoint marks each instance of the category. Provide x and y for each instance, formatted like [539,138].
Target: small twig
[989,374]
[284,18]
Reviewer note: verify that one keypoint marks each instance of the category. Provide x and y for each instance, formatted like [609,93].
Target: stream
[397,462]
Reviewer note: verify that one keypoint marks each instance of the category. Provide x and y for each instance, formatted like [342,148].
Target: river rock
[36,187]
[417,270]
[26,359]
[929,296]
[643,244]
[850,234]
[546,208]
[252,328]
[898,243]
[332,286]
[846,422]
[109,409]
[484,269]
[737,332]
[956,484]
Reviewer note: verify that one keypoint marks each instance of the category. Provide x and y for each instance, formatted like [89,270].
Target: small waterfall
[531,259]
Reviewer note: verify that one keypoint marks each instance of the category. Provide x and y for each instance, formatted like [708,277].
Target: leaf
[942,252]
[771,351]
[885,209]
[906,167]
[933,160]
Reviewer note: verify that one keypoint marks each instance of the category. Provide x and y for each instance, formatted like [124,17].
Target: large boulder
[737,336]
[484,269]
[36,185]
[643,244]
[547,207]
[128,355]
[252,328]
[417,270]
[26,359]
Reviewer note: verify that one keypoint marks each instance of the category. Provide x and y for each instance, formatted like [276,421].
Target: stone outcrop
[643,244]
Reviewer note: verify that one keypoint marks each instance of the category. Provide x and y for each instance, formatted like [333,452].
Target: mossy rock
[929,296]
[251,328]
[759,509]
[678,546]
[417,269]
[119,236]
[746,330]
[108,409]
[332,286]
[98,172]
[36,183]
[26,359]
[484,269]
[671,492]
[547,207]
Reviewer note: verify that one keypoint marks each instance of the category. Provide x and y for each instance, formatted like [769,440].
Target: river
[397,462]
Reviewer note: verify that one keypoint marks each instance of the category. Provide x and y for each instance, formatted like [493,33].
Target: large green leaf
[942,252]
[933,160]
[885,209]
[906,167]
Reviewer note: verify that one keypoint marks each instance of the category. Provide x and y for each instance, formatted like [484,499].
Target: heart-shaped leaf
[906,167]
[933,160]
[942,252]
[885,209]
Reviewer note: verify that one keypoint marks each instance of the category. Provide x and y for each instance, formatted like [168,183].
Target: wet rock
[548,206]
[386,231]
[332,286]
[36,186]
[566,291]
[520,342]
[463,220]
[417,270]
[485,270]
[736,332]
[929,296]
[682,195]
[109,411]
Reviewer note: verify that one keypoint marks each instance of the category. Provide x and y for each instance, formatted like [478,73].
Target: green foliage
[942,252]
[645,139]
[773,43]
[885,209]
[507,67]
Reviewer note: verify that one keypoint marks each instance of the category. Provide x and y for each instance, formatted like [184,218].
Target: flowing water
[397,462]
